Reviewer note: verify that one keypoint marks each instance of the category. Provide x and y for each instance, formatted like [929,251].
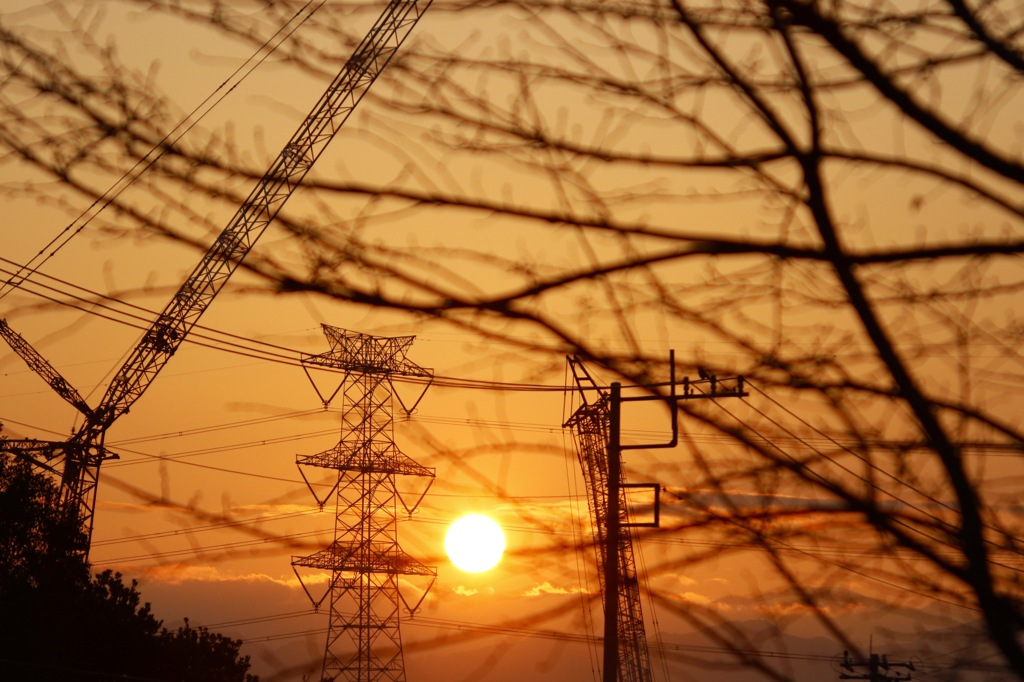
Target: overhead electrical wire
[234,344]
[142,319]
[927,665]
[874,484]
[218,548]
[866,461]
[202,430]
[178,456]
[227,523]
[149,159]
[250,348]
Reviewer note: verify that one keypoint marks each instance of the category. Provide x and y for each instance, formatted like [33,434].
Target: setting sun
[474,543]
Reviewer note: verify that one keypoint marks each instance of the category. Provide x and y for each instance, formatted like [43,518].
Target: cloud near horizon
[547,588]
[178,573]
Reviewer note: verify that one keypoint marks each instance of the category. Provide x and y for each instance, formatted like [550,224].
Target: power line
[202,430]
[250,348]
[227,523]
[218,548]
[207,337]
[874,485]
[149,159]
[142,320]
[515,630]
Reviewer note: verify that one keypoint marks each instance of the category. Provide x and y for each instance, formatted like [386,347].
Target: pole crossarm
[365,354]
[386,457]
[878,669]
[373,558]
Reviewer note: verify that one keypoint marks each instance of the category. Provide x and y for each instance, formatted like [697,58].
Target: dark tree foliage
[60,623]
[37,546]
[198,654]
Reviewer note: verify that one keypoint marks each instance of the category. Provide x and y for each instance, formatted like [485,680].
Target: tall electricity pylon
[364,642]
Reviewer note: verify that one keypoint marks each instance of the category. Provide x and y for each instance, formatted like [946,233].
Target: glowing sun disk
[474,543]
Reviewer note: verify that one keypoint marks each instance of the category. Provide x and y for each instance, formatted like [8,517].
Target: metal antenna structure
[78,459]
[590,426]
[364,560]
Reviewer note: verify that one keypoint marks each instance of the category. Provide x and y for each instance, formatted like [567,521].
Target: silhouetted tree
[38,547]
[60,624]
[823,196]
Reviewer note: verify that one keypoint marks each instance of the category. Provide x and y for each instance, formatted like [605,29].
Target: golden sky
[205,505]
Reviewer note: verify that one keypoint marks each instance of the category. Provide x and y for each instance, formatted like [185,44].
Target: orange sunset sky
[205,506]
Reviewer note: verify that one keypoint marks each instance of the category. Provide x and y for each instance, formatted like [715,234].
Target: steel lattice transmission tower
[365,561]
[590,425]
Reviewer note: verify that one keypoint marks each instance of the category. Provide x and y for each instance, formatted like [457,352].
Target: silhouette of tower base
[364,561]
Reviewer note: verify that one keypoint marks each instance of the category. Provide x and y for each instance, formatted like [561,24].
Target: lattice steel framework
[365,561]
[590,425]
[85,451]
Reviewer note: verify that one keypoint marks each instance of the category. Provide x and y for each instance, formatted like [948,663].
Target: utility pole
[611,553]
[879,669]
[597,427]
